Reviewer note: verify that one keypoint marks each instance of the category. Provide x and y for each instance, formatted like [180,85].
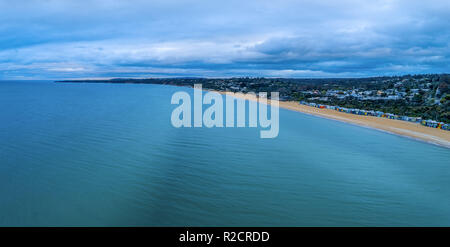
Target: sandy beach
[407,129]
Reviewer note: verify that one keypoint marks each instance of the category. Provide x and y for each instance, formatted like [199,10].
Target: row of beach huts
[428,123]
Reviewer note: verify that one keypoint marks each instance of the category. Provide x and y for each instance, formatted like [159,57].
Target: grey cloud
[216,38]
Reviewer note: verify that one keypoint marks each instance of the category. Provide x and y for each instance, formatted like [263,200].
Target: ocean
[107,155]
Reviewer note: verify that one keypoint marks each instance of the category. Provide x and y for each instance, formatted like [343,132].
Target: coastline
[403,128]
[397,127]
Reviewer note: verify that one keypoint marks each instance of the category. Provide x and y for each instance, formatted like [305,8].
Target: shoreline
[402,128]
[406,129]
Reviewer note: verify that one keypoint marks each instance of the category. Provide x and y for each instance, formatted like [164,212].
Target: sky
[64,39]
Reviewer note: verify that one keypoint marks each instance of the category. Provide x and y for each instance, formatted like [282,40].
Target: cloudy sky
[56,39]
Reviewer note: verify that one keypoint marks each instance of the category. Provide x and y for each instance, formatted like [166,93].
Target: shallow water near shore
[107,155]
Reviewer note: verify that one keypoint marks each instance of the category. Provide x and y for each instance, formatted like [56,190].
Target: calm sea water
[107,155]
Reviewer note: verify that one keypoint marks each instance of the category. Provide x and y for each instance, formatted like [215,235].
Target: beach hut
[430,123]
[413,119]
[434,124]
[445,127]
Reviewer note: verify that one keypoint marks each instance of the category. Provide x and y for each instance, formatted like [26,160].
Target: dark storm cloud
[66,39]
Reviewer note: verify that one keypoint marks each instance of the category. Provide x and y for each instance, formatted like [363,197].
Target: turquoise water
[107,155]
